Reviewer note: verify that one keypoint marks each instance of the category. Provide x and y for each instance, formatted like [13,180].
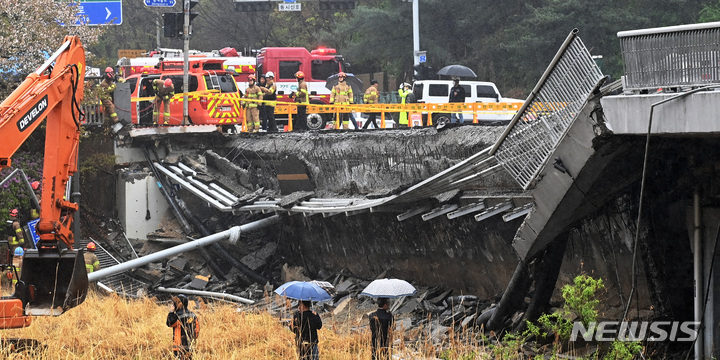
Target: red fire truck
[284,62]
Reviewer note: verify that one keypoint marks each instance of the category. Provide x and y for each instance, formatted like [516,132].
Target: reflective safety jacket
[371,95]
[14,233]
[341,94]
[186,328]
[270,93]
[161,92]
[92,263]
[302,95]
[253,92]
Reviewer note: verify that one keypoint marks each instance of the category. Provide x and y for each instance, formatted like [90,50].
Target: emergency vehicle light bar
[323,51]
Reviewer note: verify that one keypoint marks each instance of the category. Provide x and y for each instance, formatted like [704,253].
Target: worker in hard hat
[270,94]
[185,325]
[92,263]
[302,97]
[14,231]
[404,91]
[252,111]
[35,212]
[17,262]
[164,91]
[342,94]
[107,89]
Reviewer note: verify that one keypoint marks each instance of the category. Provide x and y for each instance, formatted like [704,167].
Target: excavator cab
[52,282]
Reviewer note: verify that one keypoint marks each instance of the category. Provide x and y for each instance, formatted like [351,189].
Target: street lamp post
[416,32]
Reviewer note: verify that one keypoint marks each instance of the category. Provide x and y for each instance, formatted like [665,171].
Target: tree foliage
[31,30]
[510,43]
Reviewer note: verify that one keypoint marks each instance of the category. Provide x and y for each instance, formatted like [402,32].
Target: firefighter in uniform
[107,88]
[186,327]
[15,236]
[34,212]
[371,97]
[404,92]
[301,96]
[164,91]
[342,94]
[17,263]
[92,263]
[252,112]
[270,94]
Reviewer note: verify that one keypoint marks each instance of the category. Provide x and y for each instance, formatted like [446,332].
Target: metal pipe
[208,294]
[164,191]
[233,234]
[668,29]
[698,273]
[192,189]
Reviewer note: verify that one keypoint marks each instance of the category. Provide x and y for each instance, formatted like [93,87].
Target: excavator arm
[53,277]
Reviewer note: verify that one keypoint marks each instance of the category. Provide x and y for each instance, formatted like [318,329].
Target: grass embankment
[109,327]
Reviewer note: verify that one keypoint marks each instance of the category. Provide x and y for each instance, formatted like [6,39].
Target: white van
[438,91]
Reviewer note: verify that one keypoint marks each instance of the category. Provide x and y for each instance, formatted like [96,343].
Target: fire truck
[284,62]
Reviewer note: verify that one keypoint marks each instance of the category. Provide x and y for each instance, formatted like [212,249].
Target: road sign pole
[186,61]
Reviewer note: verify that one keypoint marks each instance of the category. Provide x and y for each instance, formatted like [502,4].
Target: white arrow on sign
[108,15]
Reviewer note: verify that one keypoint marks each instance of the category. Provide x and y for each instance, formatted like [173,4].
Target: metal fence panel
[670,57]
[548,116]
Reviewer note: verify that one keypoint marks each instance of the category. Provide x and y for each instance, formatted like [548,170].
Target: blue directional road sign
[100,12]
[160,3]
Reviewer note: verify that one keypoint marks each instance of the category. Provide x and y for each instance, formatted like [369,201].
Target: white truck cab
[438,91]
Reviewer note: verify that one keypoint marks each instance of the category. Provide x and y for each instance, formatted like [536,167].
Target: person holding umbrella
[457,95]
[381,326]
[305,324]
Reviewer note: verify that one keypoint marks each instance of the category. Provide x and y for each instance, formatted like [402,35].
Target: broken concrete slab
[259,258]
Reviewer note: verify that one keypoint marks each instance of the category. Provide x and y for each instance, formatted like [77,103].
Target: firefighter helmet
[19,251]
[270,74]
[35,185]
[300,75]
[91,246]
[342,74]
[168,83]
[109,70]
[14,212]
[251,77]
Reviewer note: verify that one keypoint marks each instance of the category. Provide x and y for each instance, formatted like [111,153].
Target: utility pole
[157,33]
[186,60]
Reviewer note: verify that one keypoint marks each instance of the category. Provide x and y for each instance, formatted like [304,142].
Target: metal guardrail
[543,120]
[685,55]
[93,114]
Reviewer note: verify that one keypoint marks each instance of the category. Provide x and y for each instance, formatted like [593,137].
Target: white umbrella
[389,288]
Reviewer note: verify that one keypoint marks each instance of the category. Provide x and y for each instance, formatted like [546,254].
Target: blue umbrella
[301,290]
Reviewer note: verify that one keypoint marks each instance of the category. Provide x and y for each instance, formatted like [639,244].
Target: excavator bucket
[53,282]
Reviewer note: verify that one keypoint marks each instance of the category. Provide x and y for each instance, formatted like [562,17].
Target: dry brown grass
[110,327]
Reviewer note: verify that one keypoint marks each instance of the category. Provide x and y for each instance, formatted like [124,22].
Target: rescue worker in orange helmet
[92,263]
[342,94]
[15,235]
[186,327]
[164,91]
[107,88]
[35,212]
[252,112]
[301,96]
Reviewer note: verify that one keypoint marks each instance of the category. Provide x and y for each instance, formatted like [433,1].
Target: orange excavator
[53,277]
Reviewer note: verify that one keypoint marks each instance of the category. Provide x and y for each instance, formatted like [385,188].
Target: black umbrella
[355,83]
[457,70]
